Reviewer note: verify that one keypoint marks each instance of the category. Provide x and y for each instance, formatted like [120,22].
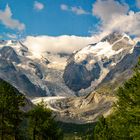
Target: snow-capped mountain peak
[103,49]
[90,65]
[40,70]
[47,73]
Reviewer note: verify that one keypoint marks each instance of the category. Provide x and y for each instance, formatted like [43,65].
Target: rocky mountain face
[125,65]
[9,73]
[101,62]
[33,76]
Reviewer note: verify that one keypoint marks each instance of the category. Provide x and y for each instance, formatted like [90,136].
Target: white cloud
[60,44]
[129,23]
[7,20]
[115,16]
[77,10]
[38,6]
[64,7]
[105,9]
[138,3]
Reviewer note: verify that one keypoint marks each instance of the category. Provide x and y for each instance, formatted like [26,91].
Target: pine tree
[10,113]
[102,131]
[42,124]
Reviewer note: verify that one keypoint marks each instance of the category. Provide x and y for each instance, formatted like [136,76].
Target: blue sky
[55,17]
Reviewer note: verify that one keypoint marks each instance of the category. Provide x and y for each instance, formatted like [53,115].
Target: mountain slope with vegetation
[124,123]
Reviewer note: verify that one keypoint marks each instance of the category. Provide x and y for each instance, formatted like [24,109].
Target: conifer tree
[42,124]
[10,113]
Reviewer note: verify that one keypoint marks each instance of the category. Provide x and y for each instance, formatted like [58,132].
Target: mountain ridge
[86,79]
